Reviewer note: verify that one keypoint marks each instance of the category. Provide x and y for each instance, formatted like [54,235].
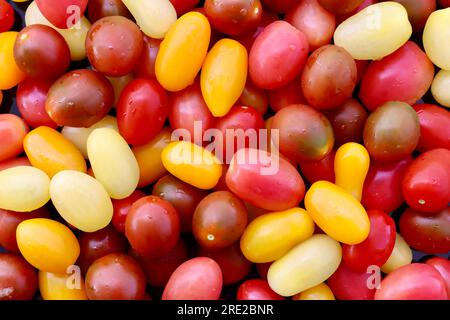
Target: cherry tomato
[219,220]
[286,95]
[122,208]
[18,280]
[182,196]
[80,98]
[342,17]
[68,286]
[249,38]
[417,281]
[62,14]
[383,185]
[442,265]
[319,170]
[11,73]
[6,16]
[145,67]
[444,3]
[196,279]
[183,6]
[256,289]
[340,6]
[434,127]
[278,55]
[426,185]
[12,133]
[98,9]
[418,12]
[400,256]
[254,97]
[428,233]
[279,6]
[152,227]
[115,276]
[142,111]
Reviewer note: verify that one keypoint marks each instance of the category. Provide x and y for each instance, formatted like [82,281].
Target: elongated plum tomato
[141,111]
[404,75]
[6,16]
[18,280]
[340,6]
[64,13]
[41,52]
[383,185]
[12,132]
[442,265]
[391,132]
[98,9]
[378,246]
[417,281]
[114,45]
[152,227]
[219,220]
[329,77]
[79,98]
[122,208]
[434,40]
[265,180]
[256,289]
[426,232]
[434,127]
[319,170]
[53,286]
[278,55]
[400,256]
[426,185]
[304,133]
[196,279]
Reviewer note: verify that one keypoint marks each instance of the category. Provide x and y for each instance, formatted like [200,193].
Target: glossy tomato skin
[429,233]
[182,196]
[122,208]
[442,265]
[196,279]
[404,75]
[142,111]
[129,279]
[416,281]
[98,244]
[41,52]
[30,98]
[278,55]
[418,12]
[377,248]
[319,170]
[219,220]
[279,6]
[347,284]
[248,39]
[79,98]
[145,67]
[256,289]
[183,6]
[12,132]
[18,279]
[98,9]
[434,127]
[114,45]
[254,97]
[62,14]
[383,185]
[6,16]
[426,185]
[285,96]
[234,17]
[340,6]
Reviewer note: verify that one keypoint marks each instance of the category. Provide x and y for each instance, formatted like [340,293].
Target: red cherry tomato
[6,16]
[196,279]
[442,265]
[98,9]
[122,208]
[18,279]
[63,13]
[12,132]
[279,6]
[340,6]
[376,249]
[254,97]
[256,290]
[319,170]
[286,95]
[434,127]
[183,6]
[383,185]
[145,67]
[417,281]
[248,39]
[426,185]
[444,3]
[141,111]
[342,17]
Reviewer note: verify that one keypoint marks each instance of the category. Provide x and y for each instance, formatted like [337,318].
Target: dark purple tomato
[145,67]
[18,279]
[98,9]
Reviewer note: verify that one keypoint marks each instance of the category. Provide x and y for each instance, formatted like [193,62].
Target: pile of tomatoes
[98,200]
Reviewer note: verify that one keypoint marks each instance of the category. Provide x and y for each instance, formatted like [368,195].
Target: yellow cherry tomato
[119,83]
[435,38]
[188,37]
[337,213]
[319,292]
[79,136]
[53,286]
[10,74]
[50,151]
[47,244]
[113,162]
[81,200]
[23,189]
[223,76]
[154,17]
[305,266]
[351,165]
[270,236]
[74,36]
[192,164]
[149,159]
[400,256]
[375,31]
[440,88]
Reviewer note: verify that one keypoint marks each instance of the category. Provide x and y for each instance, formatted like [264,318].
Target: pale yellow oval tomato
[319,292]
[270,236]
[113,162]
[223,76]
[305,266]
[182,51]
[47,244]
[435,38]
[67,286]
[50,151]
[400,256]
[440,88]
[337,213]
[81,200]
[351,165]
[192,164]
[10,74]
[23,189]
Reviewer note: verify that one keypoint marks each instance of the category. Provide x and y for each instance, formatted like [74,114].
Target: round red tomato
[183,6]
[340,6]
[18,280]
[98,9]
[442,265]
[256,290]
[434,127]
[319,170]
[145,67]
[62,13]
[12,132]
[254,97]
[286,95]
[122,207]
[6,16]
